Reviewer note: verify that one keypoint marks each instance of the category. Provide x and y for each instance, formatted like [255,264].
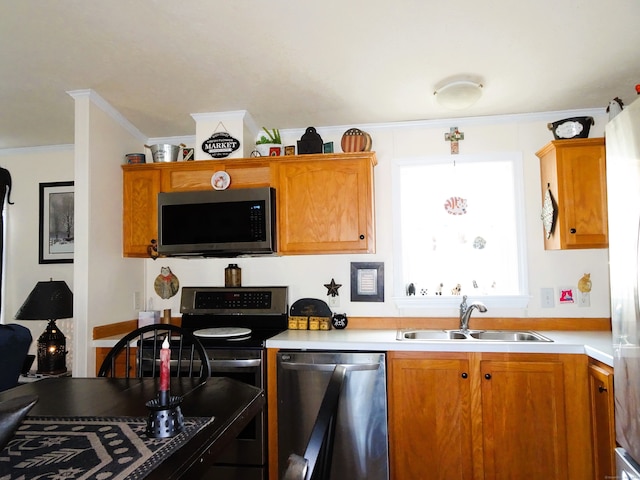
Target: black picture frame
[367,281]
[56,222]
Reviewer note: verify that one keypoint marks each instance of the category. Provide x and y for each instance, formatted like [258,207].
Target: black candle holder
[165,417]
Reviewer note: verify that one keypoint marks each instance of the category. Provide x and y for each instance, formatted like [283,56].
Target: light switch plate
[546,298]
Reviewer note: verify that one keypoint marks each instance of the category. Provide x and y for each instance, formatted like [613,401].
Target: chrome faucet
[465,312]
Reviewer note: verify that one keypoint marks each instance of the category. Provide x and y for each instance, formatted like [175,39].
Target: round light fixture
[459,94]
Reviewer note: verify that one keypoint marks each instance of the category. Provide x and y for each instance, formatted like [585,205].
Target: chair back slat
[187,353]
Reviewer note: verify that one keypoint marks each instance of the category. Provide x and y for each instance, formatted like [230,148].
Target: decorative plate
[548,214]
[220,180]
[355,140]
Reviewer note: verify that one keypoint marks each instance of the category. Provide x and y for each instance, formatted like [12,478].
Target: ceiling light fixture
[458,94]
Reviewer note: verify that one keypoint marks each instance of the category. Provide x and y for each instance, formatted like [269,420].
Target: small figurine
[456,290]
[411,289]
[584,284]
[614,108]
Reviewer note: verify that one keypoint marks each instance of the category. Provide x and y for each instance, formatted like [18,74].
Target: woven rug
[50,448]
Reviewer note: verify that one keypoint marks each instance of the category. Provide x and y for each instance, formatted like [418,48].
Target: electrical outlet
[584,299]
[334,301]
[137,304]
[546,298]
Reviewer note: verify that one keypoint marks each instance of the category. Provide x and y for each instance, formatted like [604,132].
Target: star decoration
[332,288]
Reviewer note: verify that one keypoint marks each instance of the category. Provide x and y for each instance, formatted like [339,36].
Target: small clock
[339,321]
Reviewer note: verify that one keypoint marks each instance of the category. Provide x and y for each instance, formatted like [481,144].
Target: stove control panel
[237,300]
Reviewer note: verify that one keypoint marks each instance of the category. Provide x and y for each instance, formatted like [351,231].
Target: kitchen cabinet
[602,419]
[139,210]
[574,173]
[488,416]
[142,183]
[325,204]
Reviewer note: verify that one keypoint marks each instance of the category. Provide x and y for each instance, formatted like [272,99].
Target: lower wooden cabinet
[602,419]
[488,416]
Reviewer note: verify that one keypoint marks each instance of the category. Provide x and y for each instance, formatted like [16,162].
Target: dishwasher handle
[328,367]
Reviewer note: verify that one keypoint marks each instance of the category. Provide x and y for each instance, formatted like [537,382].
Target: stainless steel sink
[509,336]
[430,335]
[472,335]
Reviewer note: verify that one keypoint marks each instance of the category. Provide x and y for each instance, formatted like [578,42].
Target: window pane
[458,226]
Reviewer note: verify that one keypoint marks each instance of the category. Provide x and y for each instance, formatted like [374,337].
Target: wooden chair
[316,462]
[138,354]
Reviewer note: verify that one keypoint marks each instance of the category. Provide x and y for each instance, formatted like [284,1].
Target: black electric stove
[212,312]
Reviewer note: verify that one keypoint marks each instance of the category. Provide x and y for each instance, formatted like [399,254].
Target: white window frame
[433,302]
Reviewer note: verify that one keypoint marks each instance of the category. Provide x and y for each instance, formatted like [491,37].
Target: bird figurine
[615,107]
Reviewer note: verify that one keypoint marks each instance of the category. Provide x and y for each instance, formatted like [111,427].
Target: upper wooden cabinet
[575,173]
[325,201]
[325,205]
[139,209]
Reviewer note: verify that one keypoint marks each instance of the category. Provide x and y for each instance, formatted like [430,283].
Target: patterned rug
[50,448]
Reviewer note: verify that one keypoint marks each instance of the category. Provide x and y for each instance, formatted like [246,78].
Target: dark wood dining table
[232,405]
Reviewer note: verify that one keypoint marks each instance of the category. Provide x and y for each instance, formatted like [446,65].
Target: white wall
[29,168]
[306,275]
[103,278]
[104,283]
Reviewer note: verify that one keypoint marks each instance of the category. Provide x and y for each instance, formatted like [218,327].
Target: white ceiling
[294,64]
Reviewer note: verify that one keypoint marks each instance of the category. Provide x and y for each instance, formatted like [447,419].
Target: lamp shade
[47,301]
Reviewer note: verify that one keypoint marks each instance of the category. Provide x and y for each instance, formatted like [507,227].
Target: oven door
[245,458]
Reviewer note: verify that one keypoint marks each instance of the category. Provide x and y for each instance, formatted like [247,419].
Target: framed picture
[56,222]
[367,282]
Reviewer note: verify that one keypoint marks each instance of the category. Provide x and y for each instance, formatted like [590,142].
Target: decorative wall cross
[454,136]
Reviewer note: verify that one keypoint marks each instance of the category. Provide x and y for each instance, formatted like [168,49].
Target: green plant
[273,136]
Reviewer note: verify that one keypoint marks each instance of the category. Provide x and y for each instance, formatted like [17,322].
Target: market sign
[220,145]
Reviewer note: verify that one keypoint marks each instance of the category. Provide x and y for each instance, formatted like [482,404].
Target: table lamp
[51,301]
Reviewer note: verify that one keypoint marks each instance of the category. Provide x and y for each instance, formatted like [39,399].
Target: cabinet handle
[601,389]
[572,230]
[464,375]
[361,237]
[487,376]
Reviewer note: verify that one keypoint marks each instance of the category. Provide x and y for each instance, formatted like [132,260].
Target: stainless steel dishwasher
[361,441]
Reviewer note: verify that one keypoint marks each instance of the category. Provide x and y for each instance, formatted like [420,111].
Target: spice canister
[233,276]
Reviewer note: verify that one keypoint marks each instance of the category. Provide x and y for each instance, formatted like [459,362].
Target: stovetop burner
[217,315]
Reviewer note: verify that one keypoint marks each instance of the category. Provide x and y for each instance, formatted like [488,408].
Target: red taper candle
[165,357]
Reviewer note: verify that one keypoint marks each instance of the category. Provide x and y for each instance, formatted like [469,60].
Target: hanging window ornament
[456,205]
[479,243]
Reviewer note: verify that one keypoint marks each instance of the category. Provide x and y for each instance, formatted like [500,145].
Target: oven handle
[241,363]
[328,367]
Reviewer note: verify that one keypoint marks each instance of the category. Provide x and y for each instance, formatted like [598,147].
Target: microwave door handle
[329,367]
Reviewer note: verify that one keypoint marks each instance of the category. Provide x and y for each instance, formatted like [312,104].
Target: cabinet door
[575,173]
[326,206]
[140,210]
[583,175]
[429,416]
[602,420]
[523,419]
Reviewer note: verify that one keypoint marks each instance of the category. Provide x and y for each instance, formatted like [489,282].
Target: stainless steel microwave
[217,223]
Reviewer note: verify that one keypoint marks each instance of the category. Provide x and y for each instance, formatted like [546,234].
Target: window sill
[453,301]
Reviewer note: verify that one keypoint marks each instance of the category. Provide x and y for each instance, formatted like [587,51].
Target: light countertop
[596,344]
